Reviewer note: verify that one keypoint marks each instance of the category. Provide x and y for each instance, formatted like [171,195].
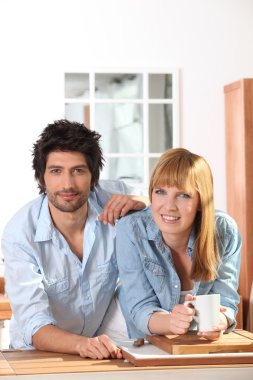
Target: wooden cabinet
[239,171]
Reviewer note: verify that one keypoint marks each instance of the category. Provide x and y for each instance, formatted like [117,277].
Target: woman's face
[174,211]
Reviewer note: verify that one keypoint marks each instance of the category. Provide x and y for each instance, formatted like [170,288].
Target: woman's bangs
[171,175]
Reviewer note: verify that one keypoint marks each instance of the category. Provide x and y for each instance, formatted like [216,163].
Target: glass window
[118,123]
[136,114]
[152,163]
[76,85]
[160,86]
[160,127]
[79,112]
[118,86]
[128,169]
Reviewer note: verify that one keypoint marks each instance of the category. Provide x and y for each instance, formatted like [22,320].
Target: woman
[177,248]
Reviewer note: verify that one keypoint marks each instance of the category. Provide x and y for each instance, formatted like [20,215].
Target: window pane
[160,86]
[76,85]
[160,127]
[79,112]
[118,86]
[121,127]
[127,169]
[152,162]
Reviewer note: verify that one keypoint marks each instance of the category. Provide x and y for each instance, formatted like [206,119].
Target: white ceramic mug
[207,311]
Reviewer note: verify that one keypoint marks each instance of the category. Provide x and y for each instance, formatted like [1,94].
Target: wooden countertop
[5,308]
[32,362]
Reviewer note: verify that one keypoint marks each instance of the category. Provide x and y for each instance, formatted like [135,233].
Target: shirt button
[175,286]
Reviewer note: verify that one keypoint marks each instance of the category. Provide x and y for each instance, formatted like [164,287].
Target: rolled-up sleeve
[227,281]
[25,289]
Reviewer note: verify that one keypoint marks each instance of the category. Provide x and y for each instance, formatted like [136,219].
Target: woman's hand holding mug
[209,315]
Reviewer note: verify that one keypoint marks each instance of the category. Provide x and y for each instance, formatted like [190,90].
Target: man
[60,264]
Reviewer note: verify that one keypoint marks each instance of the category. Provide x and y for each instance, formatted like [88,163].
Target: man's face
[67,180]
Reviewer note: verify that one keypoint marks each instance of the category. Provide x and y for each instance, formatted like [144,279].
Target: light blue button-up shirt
[149,280]
[46,282]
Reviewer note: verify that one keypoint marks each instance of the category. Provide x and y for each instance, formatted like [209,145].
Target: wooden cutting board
[236,341]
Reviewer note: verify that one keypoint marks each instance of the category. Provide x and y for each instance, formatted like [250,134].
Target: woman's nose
[171,204]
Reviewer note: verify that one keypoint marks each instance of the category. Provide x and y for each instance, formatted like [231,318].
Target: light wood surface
[2,284]
[39,362]
[5,308]
[232,373]
[239,175]
[5,368]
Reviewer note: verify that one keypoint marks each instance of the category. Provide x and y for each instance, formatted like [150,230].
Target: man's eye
[55,171]
[78,170]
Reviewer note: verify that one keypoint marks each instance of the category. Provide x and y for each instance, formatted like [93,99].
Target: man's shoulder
[27,215]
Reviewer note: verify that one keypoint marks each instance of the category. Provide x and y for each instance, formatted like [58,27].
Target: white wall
[210,41]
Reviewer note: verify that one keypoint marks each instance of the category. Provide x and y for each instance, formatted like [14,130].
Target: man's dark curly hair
[67,136]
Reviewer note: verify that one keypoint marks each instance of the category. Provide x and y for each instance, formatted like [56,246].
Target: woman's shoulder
[227,231]
[224,221]
[136,219]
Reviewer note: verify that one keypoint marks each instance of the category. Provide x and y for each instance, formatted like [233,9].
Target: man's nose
[67,181]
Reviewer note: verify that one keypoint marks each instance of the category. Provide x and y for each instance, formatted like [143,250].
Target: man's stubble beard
[68,206]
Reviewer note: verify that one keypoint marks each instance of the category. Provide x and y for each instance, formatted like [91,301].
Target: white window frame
[145,101]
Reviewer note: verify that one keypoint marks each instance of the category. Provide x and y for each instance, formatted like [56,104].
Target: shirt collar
[45,227]
[154,233]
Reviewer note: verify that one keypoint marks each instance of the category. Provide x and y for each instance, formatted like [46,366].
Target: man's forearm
[52,338]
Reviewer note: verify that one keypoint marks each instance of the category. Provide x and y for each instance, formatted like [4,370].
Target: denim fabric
[148,277]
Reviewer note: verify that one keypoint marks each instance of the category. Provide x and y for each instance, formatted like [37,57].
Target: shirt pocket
[104,271]
[104,276]
[57,288]
[156,275]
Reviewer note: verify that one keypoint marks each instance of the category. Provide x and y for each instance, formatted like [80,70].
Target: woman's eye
[159,191]
[184,195]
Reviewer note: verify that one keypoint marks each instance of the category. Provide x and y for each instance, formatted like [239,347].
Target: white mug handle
[191,304]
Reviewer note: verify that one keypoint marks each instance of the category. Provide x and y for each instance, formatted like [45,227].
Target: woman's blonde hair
[183,169]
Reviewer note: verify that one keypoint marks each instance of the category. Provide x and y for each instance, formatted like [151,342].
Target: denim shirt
[46,282]
[149,280]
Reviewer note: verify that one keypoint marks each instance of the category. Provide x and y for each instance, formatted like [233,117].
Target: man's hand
[119,205]
[100,347]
